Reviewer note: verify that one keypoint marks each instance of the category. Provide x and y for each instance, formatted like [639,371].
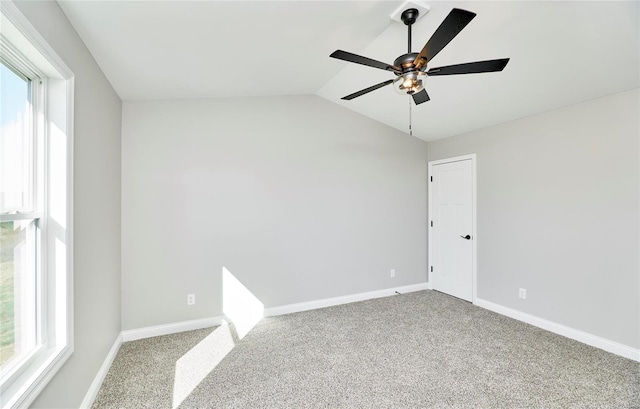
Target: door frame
[474,233]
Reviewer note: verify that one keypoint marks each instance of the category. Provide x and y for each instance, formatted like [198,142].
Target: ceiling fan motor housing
[405,61]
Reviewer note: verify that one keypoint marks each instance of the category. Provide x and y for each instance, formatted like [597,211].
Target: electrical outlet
[393,273]
[522,293]
[191,299]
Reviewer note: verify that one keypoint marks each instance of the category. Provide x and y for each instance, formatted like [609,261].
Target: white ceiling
[561,53]
[187,49]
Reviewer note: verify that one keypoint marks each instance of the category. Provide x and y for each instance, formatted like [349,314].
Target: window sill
[23,391]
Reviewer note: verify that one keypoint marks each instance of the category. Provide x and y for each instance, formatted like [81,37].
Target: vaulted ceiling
[561,53]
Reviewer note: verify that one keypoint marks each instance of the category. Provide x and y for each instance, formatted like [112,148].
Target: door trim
[474,233]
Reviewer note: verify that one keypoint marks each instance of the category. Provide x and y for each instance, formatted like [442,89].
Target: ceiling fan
[409,67]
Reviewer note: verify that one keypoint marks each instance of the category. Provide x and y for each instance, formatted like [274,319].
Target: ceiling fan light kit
[408,83]
[411,68]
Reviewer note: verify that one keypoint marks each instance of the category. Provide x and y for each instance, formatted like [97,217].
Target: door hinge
[432,269]
[431,223]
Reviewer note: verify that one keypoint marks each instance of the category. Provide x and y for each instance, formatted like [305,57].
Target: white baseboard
[91,394]
[346,299]
[581,336]
[166,329]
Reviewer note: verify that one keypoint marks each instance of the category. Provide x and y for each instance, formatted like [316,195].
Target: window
[19,222]
[36,91]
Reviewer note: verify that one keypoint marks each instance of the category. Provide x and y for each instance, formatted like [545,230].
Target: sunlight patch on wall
[196,364]
[239,304]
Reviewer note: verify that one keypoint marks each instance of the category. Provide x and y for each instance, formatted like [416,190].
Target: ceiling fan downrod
[409,16]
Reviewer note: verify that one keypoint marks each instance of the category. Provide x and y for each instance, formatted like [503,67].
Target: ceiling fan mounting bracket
[422,8]
[409,16]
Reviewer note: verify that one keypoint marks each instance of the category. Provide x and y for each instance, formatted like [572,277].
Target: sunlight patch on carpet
[196,364]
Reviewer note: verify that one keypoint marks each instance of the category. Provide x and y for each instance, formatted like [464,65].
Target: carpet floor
[417,350]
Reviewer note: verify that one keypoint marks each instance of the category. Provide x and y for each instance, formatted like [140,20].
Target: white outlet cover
[422,10]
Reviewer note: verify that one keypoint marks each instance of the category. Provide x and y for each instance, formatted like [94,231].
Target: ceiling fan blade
[450,27]
[358,59]
[470,67]
[366,90]
[421,97]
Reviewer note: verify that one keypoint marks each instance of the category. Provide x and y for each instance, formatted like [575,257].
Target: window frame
[25,50]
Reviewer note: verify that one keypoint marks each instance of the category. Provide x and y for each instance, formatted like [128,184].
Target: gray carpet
[418,350]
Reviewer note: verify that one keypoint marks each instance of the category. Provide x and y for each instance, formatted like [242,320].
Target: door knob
[466,237]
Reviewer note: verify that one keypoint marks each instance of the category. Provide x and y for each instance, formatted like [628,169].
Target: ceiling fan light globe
[408,83]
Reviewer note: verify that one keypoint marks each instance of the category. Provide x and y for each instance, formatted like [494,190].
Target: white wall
[96,204]
[558,214]
[297,197]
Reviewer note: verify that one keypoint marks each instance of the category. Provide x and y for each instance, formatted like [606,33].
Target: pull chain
[410,129]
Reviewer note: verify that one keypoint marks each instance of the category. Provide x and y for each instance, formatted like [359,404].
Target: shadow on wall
[244,311]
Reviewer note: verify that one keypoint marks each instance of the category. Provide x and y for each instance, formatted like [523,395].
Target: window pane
[18,312]
[16,160]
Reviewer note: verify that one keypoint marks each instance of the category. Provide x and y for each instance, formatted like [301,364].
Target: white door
[451,219]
